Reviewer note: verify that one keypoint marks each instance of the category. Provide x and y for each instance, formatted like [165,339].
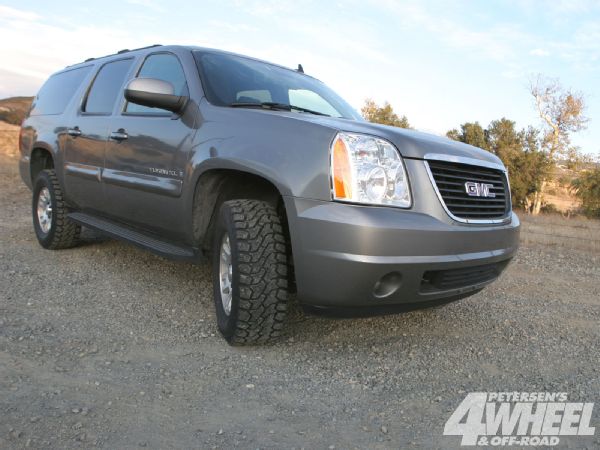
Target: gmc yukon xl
[199,154]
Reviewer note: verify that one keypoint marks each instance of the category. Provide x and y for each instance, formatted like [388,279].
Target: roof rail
[120,52]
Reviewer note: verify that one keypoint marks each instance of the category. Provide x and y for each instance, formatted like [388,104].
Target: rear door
[87,135]
[52,110]
[146,156]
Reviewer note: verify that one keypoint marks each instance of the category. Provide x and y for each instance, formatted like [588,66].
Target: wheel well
[218,186]
[41,159]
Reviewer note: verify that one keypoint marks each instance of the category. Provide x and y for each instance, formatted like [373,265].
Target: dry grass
[561,197]
[559,231]
[9,138]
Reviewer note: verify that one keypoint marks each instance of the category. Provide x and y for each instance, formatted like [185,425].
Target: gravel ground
[108,346]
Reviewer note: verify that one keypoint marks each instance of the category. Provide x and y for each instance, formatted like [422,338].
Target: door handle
[74,132]
[119,135]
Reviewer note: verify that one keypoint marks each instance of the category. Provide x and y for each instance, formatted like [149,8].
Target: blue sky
[439,62]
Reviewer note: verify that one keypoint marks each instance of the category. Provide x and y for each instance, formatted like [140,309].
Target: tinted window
[106,87]
[253,96]
[230,78]
[162,66]
[56,93]
[310,100]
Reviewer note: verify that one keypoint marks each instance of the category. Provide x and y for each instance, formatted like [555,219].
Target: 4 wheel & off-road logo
[519,419]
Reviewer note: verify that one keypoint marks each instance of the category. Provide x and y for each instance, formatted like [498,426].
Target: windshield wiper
[275,106]
[306,110]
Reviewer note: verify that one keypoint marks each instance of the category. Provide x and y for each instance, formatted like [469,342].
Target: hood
[410,143]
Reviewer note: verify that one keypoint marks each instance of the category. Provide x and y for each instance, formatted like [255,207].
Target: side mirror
[154,94]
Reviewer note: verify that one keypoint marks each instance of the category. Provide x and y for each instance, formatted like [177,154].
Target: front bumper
[342,251]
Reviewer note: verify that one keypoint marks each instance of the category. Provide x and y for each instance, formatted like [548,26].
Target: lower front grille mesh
[441,280]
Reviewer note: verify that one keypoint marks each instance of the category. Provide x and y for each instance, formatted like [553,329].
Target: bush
[549,208]
[587,188]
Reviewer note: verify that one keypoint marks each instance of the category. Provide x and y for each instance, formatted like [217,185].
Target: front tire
[250,274]
[53,229]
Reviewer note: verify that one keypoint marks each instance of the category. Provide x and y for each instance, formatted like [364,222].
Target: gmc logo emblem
[474,189]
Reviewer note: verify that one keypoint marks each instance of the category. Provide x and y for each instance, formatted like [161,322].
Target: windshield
[231,80]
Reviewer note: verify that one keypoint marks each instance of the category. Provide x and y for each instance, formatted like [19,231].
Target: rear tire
[251,283]
[53,229]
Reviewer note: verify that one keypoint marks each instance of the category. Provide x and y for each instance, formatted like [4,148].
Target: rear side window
[57,92]
[106,87]
[162,66]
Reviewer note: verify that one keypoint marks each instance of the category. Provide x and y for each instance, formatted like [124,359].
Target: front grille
[441,280]
[451,178]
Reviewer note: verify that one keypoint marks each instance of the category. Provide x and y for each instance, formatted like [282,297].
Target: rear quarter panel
[40,132]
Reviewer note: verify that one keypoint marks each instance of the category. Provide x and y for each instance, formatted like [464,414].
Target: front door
[146,156]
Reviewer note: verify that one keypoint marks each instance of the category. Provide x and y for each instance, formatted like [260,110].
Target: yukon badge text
[172,173]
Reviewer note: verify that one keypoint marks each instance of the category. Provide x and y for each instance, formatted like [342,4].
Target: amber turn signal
[342,171]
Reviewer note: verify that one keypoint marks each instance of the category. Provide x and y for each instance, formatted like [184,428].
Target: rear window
[106,87]
[56,93]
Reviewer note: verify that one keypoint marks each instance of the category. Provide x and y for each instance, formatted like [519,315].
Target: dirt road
[107,346]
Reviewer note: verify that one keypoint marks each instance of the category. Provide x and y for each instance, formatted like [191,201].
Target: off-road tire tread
[66,232]
[263,272]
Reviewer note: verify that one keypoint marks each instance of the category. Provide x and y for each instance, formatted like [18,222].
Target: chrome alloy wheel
[44,210]
[226,274]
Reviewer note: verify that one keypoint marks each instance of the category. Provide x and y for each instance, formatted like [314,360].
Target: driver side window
[162,66]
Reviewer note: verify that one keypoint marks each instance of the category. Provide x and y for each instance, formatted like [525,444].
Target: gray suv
[199,154]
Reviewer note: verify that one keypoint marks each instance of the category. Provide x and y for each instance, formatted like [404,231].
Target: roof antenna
[300,68]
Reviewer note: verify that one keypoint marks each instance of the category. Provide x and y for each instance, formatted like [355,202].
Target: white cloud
[231,27]
[264,8]
[51,47]
[557,10]
[499,42]
[8,13]
[147,4]
[539,52]
[13,84]
[572,6]
[506,42]
[582,50]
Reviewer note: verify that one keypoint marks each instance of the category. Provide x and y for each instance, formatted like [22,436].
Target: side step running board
[142,240]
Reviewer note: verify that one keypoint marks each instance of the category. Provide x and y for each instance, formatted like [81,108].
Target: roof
[189,47]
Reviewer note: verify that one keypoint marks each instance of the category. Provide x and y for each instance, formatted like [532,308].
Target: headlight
[366,169]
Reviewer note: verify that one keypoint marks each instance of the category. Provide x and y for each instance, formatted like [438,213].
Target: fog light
[387,285]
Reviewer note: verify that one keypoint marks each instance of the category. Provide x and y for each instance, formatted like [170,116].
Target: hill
[14,109]
[9,137]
